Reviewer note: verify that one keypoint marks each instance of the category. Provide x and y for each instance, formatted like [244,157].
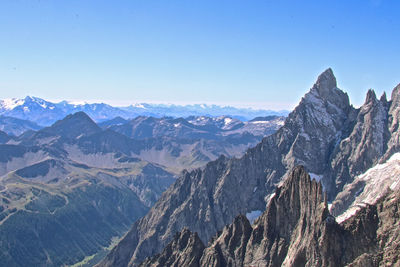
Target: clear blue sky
[246,53]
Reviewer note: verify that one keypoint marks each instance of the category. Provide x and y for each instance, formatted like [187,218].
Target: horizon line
[267,106]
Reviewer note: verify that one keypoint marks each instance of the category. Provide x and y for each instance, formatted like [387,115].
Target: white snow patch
[253,215]
[349,213]
[11,103]
[378,180]
[280,122]
[41,103]
[138,105]
[77,103]
[268,198]
[227,120]
[316,177]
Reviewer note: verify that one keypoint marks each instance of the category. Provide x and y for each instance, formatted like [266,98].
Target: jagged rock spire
[383,98]
[371,96]
[326,89]
[326,82]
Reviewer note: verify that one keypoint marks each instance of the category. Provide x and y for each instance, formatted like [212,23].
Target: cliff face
[290,232]
[364,146]
[394,123]
[324,133]
[297,230]
[184,250]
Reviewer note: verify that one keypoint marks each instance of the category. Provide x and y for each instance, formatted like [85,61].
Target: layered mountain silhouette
[67,191]
[16,127]
[46,113]
[335,143]
[58,207]
[194,141]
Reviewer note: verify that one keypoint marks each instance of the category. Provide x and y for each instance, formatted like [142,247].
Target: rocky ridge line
[297,230]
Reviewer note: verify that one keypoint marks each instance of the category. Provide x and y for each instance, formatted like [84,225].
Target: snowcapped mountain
[45,113]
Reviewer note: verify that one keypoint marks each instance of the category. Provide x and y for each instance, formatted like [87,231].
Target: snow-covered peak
[11,103]
[76,103]
[139,105]
[35,100]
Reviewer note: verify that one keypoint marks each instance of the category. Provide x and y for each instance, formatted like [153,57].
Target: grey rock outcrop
[289,233]
[394,123]
[364,146]
[185,250]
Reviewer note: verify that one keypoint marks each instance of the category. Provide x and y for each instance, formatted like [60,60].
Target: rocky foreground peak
[326,89]
[184,250]
[371,97]
[383,98]
[297,230]
[295,220]
[326,81]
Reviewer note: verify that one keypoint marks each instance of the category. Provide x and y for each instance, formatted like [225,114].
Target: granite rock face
[297,230]
[324,133]
[185,250]
[364,146]
[287,234]
[394,121]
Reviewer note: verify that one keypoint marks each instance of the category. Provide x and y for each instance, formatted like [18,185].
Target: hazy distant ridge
[45,112]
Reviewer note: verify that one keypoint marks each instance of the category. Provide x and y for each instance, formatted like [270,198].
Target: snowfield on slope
[370,186]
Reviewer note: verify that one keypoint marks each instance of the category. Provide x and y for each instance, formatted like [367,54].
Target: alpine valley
[323,190]
[69,191]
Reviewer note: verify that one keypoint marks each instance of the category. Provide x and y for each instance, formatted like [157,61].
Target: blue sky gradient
[259,53]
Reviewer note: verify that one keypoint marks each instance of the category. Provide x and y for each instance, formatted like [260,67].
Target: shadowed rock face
[185,250]
[287,234]
[72,126]
[16,127]
[394,122]
[4,137]
[330,138]
[297,230]
[365,145]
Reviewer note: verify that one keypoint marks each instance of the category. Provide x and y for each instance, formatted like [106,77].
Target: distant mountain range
[15,127]
[45,112]
[68,190]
